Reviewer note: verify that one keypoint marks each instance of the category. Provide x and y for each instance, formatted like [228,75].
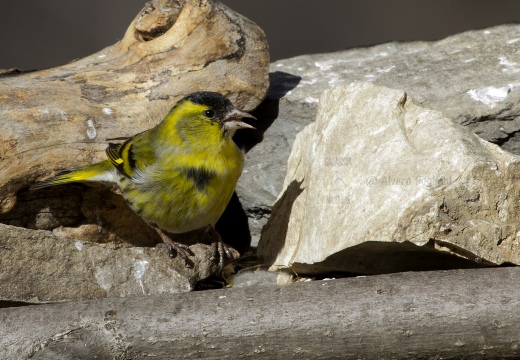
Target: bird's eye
[209,113]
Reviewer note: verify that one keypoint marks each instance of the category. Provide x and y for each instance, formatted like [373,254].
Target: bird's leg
[180,249]
[219,247]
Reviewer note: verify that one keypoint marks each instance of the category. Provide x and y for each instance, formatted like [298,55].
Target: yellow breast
[188,191]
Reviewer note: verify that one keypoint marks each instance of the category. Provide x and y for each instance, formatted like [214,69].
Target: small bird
[180,175]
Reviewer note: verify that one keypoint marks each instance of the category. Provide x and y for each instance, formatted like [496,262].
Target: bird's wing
[121,155]
[130,156]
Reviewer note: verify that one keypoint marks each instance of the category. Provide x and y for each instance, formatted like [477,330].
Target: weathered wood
[60,118]
[462,314]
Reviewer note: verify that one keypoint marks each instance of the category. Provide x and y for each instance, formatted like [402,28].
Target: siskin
[180,175]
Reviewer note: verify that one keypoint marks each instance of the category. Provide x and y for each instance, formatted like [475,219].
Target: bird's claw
[174,247]
[177,249]
[220,249]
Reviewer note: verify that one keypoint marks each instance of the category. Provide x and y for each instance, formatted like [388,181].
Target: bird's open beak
[232,120]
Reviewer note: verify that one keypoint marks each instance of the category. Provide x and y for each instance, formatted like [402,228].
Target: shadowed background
[37,34]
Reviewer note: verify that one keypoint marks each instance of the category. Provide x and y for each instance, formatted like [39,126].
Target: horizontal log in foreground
[460,314]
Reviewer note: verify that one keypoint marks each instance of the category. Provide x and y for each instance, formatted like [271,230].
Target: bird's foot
[220,249]
[174,247]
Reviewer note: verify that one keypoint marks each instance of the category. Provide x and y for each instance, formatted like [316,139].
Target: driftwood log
[461,314]
[60,118]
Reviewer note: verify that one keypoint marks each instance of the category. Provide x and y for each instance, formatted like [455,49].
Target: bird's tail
[102,171]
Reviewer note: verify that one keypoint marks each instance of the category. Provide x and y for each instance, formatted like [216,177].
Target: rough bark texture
[463,314]
[60,118]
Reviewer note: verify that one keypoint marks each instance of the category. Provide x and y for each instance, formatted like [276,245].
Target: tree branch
[470,314]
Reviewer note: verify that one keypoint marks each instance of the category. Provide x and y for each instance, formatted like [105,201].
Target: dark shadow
[46,209]
[110,212]
[11,304]
[73,205]
[374,257]
[267,112]
[281,83]
[233,225]
[12,72]
[271,247]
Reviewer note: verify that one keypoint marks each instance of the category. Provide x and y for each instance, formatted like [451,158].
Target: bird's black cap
[214,100]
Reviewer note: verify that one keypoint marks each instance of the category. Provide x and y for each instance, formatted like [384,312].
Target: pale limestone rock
[473,78]
[377,177]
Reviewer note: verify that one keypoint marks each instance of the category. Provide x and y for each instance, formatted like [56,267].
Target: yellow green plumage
[180,175]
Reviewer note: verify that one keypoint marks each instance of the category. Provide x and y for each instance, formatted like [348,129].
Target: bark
[60,118]
[461,314]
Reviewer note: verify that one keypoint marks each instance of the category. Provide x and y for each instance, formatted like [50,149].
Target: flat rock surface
[38,267]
